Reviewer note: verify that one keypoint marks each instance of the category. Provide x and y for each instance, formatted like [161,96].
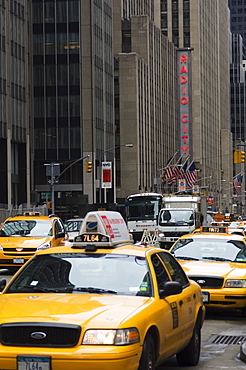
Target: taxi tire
[190,355]
[147,361]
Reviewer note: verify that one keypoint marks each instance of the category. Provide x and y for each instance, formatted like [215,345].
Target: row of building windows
[238,19]
[3,86]
[61,106]
[61,43]
[48,75]
[56,11]
[2,42]
[67,138]
[17,50]
[18,92]
[17,9]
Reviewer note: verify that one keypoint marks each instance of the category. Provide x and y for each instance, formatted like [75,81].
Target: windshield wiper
[186,258]
[94,290]
[39,289]
[217,259]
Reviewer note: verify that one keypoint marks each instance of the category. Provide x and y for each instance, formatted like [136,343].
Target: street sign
[45,195]
[195,189]
[182,185]
[107,175]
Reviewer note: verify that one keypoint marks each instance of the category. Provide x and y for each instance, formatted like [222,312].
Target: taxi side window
[58,228]
[160,272]
[174,269]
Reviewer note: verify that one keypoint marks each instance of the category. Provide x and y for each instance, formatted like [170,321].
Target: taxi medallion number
[33,363]
[18,260]
[91,238]
[205,297]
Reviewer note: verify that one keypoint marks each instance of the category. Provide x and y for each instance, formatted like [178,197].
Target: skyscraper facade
[14,103]
[73,107]
[203,26]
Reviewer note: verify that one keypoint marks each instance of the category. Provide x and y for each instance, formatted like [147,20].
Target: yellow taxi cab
[216,260]
[23,235]
[100,303]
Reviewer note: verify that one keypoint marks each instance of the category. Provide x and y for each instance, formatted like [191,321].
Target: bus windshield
[143,208]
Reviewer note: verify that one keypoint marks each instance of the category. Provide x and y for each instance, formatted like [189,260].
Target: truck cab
[175,222]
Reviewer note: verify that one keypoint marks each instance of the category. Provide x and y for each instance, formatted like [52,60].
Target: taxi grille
[208,282]
[39,335]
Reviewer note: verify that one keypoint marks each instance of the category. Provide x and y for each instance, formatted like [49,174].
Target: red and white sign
[184,92]
[107,175]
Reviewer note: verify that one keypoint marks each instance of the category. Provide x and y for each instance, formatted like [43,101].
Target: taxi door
[171,318]
[187,300]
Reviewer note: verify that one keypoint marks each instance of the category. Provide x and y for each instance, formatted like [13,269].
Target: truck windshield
[176,216]
[143,208]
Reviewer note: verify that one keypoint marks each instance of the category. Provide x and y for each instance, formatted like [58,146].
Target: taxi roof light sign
[104,229]
[214,229]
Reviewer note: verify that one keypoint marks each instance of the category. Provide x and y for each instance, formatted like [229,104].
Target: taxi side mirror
[170,288]
[60,234]
[2,284]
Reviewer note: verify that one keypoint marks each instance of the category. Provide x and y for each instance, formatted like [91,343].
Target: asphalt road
[222,336]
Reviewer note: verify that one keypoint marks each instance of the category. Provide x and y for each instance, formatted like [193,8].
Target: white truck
[180,215]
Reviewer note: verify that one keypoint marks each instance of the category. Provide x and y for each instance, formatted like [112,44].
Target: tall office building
[73,110]
[203,26]
[14,103]
[238,82]
[145,95]
[238,19]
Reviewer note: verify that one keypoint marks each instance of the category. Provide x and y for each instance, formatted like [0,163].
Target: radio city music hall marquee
[184,102]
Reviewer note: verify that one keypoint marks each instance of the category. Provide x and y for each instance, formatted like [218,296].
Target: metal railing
[6,212]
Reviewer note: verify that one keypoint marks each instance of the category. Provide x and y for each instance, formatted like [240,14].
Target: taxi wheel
[147,361]
[190,355]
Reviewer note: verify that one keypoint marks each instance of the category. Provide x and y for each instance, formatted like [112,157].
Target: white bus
[141,213]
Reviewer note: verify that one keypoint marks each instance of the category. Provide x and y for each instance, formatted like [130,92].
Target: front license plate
[33,363]
[205,297]
[18,260]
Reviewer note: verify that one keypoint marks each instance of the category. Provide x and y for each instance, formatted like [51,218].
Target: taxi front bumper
[86,357]
[225,298]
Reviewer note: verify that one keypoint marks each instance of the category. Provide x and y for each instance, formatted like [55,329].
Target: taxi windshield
[25,228]
[73,225]
[211,249]
[84,273]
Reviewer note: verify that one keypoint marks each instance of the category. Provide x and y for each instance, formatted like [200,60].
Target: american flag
[175,172]
[167,173]
[183,169]
[191,175]
[237,183]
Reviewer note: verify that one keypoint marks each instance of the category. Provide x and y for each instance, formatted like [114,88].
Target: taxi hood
[80,309]
[220,269]
[22,242]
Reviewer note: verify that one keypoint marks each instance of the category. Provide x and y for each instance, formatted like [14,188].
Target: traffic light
[242,157]
[88,166]
[239,156]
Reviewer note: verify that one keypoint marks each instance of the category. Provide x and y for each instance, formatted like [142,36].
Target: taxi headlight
[235,283]
[1,248]
[117,337]
[161,235]
[44,246]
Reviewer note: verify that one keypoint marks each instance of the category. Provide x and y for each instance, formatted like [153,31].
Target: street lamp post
[100,170]
[55,171]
